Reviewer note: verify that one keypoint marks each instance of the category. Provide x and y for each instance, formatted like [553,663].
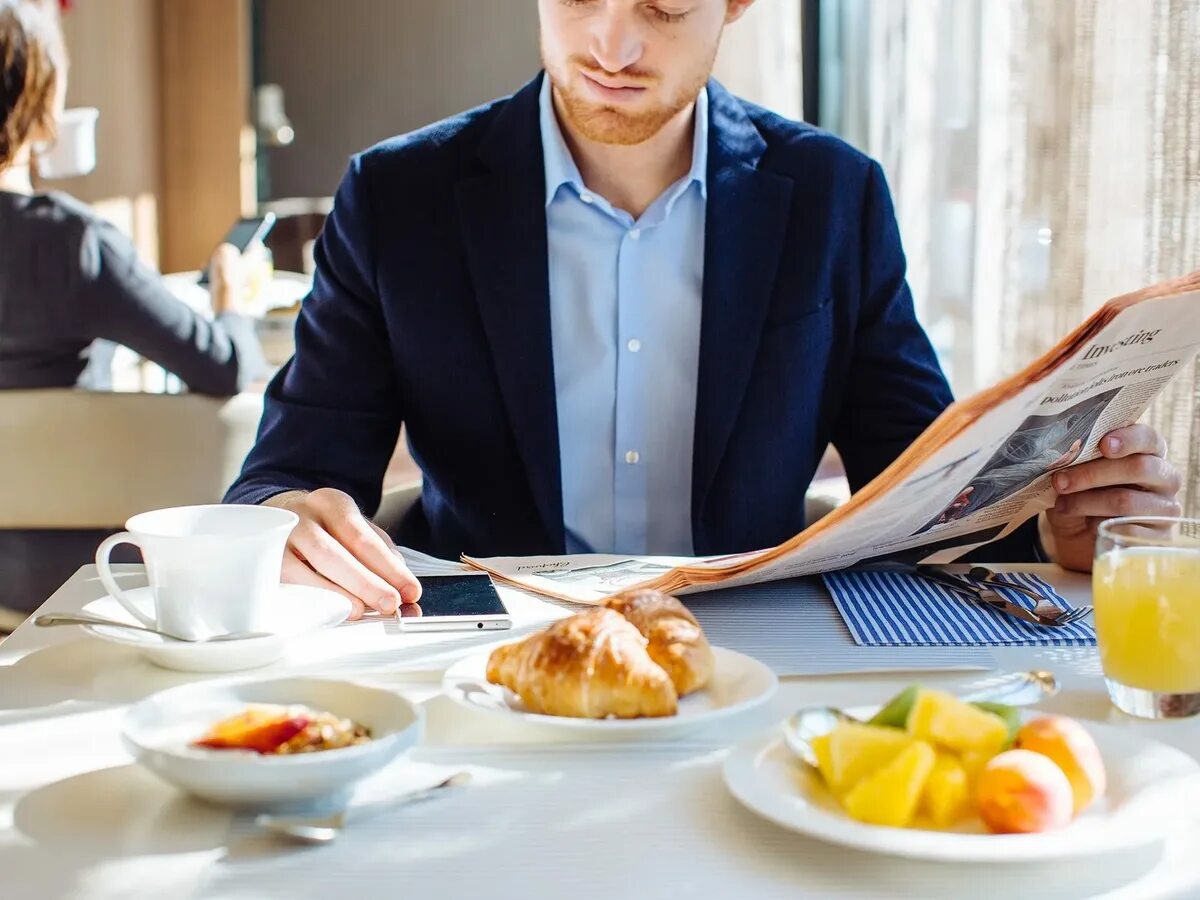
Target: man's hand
[1133,478]
[334,546]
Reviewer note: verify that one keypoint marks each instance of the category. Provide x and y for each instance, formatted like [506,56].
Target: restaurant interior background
[1044,156]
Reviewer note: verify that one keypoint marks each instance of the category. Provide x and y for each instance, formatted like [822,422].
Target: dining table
[546,815]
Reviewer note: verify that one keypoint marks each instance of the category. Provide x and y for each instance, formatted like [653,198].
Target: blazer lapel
[747,219]
[503,215]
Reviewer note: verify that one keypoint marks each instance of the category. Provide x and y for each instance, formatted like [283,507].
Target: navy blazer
[430,307]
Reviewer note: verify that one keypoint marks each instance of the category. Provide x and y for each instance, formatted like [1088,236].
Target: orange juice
[1147,603]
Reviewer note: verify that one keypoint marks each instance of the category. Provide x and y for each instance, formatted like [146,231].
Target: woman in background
[68,278]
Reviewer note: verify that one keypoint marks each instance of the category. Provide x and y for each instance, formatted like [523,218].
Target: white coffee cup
[73,152]
[211,568]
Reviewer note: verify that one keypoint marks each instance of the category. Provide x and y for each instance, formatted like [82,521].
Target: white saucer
[294,610]
[739,683]
[1152,792]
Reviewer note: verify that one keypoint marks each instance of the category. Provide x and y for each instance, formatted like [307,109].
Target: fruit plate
[1153,790]
[739,684]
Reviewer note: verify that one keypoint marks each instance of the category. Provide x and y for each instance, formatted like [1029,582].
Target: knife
[976,591]
[981,593]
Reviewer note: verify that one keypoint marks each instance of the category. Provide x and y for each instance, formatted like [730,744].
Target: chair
[74,465]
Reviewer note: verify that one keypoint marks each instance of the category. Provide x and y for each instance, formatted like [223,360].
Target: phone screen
[242,234]
[456,595]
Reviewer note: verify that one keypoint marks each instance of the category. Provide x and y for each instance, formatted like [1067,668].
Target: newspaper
[977,473]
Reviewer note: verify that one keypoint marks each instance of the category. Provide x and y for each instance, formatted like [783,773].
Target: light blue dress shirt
[625,299]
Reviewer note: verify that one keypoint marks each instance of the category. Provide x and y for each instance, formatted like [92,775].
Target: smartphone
[456,603]
[244,233]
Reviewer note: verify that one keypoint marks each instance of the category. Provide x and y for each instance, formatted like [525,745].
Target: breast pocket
[791,315]
[797,347]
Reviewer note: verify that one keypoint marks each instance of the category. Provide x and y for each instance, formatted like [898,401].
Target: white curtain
[760,57]
[1044,157]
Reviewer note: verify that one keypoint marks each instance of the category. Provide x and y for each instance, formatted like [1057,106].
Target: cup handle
[106,577]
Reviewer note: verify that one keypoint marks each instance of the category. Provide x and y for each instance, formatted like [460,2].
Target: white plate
[293,610]
[158,731]
[739,683]
[1153,789]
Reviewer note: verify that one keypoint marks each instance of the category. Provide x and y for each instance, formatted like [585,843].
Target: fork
[1044,613]
[1043,606]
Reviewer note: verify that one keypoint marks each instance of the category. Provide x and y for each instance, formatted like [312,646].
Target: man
[620,311]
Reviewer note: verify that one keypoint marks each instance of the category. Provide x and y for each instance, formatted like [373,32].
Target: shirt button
[632,457]
[634,345]
[635,233]
[586,197]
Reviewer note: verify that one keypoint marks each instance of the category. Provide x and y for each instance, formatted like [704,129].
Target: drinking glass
[1146,590]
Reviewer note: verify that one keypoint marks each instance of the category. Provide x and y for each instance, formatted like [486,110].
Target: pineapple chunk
[943,719]
[820,747]
[946,795]
[857,750]
[973,762]
[890,795]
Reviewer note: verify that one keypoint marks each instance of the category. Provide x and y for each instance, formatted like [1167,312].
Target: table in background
[544,818]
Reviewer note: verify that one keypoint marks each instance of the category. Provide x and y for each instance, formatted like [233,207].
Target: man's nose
[616,39]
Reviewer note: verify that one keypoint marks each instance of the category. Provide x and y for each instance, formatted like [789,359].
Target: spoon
[51,620]
[323,829]
[1013,689]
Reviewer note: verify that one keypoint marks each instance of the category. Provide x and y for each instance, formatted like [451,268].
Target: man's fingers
[296,571]
[406,595]
[1152,473]
[328,557]
[368,544]
[1123,442]
[1110,502]
[335,541]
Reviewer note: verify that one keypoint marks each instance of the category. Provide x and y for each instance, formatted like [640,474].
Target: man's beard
[609,124]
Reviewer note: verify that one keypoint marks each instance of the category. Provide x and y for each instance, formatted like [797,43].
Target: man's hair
[32,59]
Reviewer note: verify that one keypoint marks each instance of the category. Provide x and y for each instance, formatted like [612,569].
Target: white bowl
[159,731]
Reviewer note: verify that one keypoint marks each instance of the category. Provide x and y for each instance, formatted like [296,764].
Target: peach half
[1020,791]
[1073,750]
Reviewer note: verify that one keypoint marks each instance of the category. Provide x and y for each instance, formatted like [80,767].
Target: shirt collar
[560,165]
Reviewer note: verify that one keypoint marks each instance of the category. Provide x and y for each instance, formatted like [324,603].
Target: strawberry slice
[262,731]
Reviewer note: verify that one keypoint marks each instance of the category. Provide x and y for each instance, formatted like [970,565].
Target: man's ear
[736,9]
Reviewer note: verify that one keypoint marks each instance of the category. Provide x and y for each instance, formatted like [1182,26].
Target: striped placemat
[793,627]
[896,609]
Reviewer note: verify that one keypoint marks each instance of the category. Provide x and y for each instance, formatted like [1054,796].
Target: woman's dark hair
[32,59]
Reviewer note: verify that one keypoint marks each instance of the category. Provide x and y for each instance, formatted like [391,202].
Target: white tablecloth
[544,818]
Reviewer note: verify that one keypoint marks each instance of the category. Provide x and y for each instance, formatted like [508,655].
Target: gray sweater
[70,283]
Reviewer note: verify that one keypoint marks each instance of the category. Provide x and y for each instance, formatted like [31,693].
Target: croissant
[592,665]
[675,639]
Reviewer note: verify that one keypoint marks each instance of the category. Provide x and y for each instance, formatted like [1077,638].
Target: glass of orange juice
[1146,590]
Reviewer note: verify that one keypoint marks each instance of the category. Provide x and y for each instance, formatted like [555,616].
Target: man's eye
[669,17]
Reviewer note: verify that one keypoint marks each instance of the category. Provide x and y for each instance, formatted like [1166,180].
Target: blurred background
[1044,156]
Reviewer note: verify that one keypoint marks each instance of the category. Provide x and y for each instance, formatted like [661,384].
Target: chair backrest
[81,459]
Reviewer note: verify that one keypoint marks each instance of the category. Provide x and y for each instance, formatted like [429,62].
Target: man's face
[622,69]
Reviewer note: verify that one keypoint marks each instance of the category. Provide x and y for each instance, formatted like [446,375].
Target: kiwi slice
[895,712]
